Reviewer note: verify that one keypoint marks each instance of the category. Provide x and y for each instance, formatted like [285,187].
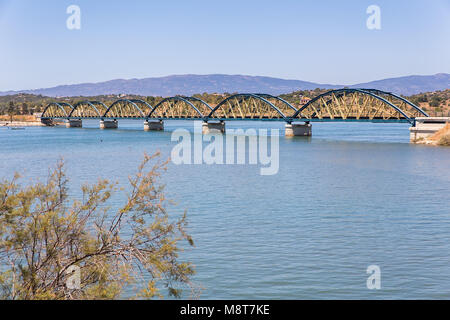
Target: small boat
[17,128]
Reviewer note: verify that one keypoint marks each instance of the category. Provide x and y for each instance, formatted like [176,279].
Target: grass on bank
[442,137]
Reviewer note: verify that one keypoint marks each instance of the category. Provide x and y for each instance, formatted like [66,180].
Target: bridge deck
[325,119]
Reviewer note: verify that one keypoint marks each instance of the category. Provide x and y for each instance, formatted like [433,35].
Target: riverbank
[20,121]
[21,124]
[440,138]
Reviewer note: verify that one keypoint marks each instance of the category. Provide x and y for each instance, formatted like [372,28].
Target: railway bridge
[362,105]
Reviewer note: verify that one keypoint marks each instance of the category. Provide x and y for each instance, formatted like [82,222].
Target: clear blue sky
[320,41]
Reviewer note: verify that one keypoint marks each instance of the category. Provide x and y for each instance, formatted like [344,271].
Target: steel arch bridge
[335,105]
[359,105]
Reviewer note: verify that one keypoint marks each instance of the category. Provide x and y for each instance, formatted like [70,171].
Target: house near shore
[304,100]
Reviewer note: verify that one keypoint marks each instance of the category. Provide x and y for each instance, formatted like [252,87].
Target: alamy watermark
[73,22]
[374,280]
[73,281]
[373,22]
[190,150]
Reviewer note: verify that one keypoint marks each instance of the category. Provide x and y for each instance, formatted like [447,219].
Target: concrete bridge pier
[426,127]
[154,125]
[298,129]
[213,127]
[74,123]
[109,124]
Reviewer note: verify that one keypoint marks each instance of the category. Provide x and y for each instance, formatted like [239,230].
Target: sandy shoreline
[21,124]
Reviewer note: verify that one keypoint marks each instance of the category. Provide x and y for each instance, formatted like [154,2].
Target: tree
[44,237]
[25,109]
[423,98]
[11,110]
[435,102]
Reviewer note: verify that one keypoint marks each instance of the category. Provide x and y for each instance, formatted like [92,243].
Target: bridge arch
[57,110]
[249,106]
[359,104]
[285,104]
[394,96]
[127,108]
[142,104]
[203,107]
[88,109]
[180,107]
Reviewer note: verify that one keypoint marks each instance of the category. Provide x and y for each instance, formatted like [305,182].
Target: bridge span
[335,105]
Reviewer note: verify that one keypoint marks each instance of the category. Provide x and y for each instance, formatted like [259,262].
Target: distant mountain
[220,83]
[180,84]
[410,85]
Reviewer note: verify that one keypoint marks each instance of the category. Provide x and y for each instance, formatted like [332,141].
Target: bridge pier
[426,127]
[48,122]
[109,124]
[213,127]
[153,125]
[298,129]
[74,123]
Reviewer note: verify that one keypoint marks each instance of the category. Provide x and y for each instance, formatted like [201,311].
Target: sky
[318,41]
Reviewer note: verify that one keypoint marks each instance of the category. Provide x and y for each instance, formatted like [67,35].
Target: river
[351,196]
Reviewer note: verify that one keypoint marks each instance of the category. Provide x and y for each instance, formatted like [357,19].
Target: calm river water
[354,195]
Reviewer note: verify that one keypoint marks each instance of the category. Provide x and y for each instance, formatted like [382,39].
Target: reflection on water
[351,196]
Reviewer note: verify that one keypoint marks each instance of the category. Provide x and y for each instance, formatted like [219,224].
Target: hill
[411,84]
[220,83]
